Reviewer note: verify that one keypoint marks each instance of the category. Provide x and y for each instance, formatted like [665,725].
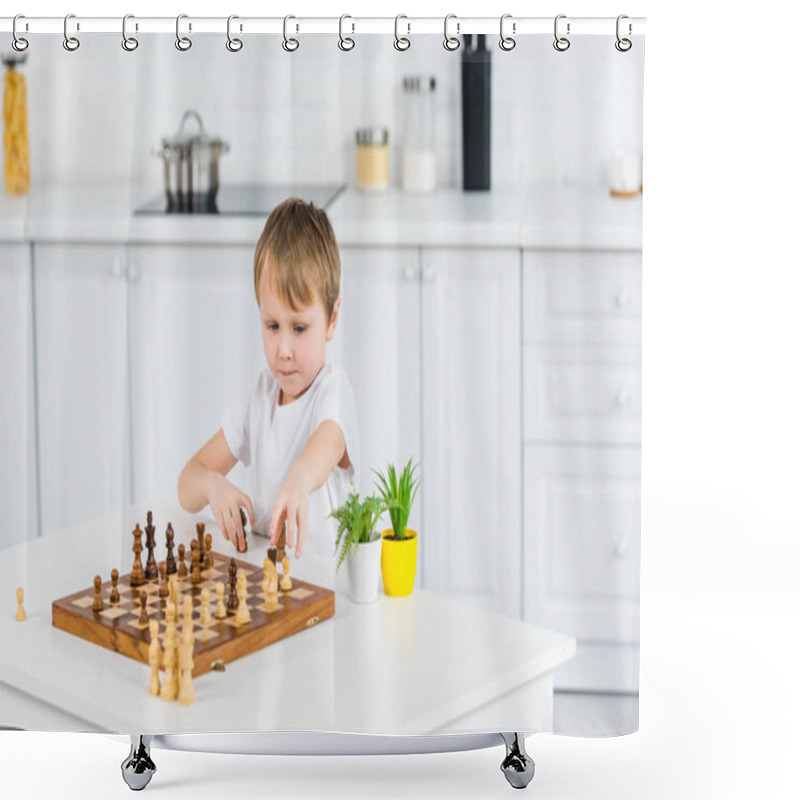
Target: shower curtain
[487,205]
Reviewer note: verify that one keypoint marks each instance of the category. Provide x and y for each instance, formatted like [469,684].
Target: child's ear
[334,318]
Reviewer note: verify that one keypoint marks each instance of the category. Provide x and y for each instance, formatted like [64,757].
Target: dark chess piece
[163,588]
[97,605]
[137,573]
[172,567]
[232,603]
[208,559]
[114,598]
[244,529]
[182,572]
[151,570]
[196,576]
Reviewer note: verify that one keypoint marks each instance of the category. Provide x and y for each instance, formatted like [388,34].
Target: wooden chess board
[118,628]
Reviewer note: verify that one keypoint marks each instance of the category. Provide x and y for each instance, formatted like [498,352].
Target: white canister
[419,154]
[364,571]
[625,172]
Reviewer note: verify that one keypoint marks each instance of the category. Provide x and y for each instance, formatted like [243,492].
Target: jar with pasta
[372,159]
[15,129]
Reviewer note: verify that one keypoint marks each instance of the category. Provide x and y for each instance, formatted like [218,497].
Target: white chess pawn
[205,611]
[154,657]
[186,693]
[220,612]
[286,581]
[169,688]
[243,611]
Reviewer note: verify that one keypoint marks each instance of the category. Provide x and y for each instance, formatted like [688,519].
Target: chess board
[118,628]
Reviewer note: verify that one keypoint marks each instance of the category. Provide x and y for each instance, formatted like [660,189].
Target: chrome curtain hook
[183,43]
[234,45]
[128,42]
[450,42]
[623,45]
[345,42]
[401,43]
[70,42]
[561,43]
[507,42]
[289,45]
[18,42]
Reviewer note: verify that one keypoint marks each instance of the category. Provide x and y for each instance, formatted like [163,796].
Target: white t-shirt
[270,438]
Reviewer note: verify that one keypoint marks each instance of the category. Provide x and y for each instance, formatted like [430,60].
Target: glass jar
[372,159]
[419,157]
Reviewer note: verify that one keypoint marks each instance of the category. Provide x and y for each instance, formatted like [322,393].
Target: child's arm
[203,481]
[325,449]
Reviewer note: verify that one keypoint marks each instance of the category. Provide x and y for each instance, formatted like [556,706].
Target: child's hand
[291,506]
[225,500]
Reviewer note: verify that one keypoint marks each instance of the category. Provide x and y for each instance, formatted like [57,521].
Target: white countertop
[396,666]
[539,217]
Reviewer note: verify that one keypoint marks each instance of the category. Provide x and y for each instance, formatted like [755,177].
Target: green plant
[357,520]
[398,493]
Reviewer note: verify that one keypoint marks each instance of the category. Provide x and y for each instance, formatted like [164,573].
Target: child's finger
[251,514]
[228,530]
[218,518]
[276,522]
[302,529]
[291,526]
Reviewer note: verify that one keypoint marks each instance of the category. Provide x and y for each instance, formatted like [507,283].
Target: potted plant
[399,550]
[360,544]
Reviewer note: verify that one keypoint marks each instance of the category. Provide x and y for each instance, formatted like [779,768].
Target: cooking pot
[191,168]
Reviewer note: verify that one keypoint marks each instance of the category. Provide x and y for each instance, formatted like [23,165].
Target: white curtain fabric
[494,337]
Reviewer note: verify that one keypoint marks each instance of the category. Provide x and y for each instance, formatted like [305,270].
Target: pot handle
[192,113]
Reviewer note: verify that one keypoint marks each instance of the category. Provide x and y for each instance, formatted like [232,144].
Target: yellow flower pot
[399,563]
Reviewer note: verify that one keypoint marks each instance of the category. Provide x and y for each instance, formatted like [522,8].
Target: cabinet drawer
[581,296]
[581,540]
[582,393]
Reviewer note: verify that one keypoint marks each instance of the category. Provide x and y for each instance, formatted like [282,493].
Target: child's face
[294,341]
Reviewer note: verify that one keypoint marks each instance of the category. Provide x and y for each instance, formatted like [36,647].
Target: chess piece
[137,573]
[205,611]
[186,693]
[271,602]
[114,598]
[272,554]
[242,612]
[143,618]
[200,530]
[233,599]
[196,576]
[172,567]
[21,616]
[154,658]
[172,582]
[286,581]
[163,587]
[208,559]
[219,588]
[182,573]
[282,544]
[151,570]
[243,517]
[97,605]
[187,624]
[169,688]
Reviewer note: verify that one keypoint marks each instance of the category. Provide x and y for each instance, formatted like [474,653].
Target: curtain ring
[128,42]
[18,43]
[183,43]
[70,42]
[401,43]
[507,42]
[289,45]
[234,45]
[450,42]
[561,43]
[345,42]
[623,45]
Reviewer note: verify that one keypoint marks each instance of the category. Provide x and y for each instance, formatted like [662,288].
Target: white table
[418,665]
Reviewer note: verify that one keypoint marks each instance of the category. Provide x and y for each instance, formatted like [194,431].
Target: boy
[297,427]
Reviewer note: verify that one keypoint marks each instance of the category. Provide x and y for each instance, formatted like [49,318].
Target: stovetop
[243,200]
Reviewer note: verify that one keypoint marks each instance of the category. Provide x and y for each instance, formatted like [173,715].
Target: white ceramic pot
[364,571]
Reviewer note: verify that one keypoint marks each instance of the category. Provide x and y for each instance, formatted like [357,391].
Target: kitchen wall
[110,108]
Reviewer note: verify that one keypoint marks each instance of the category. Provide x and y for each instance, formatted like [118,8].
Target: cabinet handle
[134,273]
[117,268]
[428,273]
[410,272]
[623,398]
[623,297]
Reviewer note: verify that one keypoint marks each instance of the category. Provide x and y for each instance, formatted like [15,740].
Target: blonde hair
[298,250]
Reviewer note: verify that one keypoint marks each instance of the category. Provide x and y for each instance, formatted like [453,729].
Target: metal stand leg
[138,768]
[518,766]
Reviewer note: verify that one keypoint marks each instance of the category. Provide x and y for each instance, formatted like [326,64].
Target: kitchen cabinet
[18,509]
[581,374]
[195,348]
[419,338]
[81,376]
